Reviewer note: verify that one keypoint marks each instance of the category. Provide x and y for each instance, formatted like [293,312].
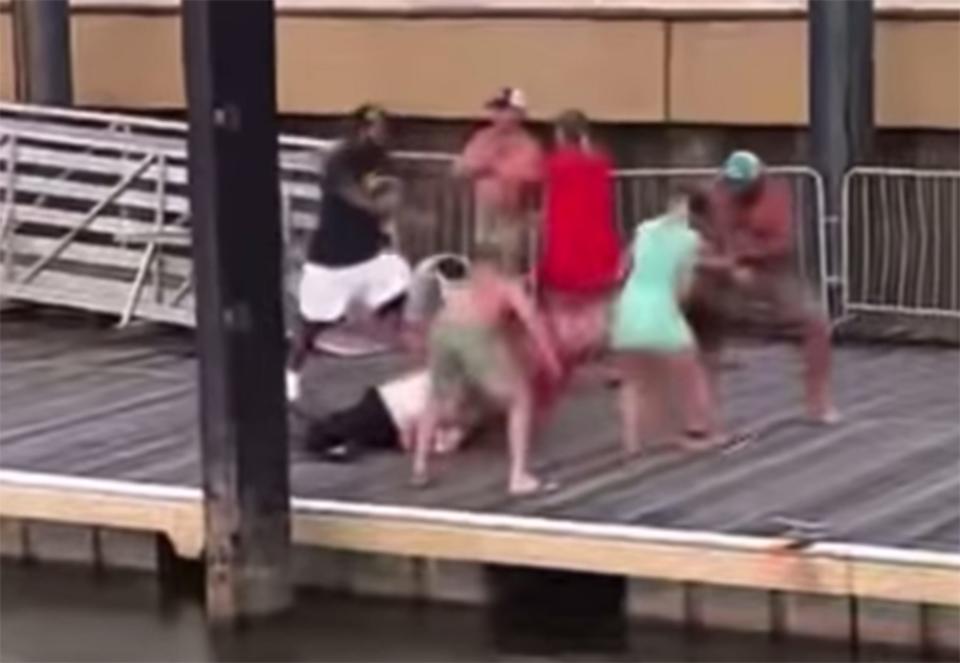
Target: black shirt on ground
[347,235]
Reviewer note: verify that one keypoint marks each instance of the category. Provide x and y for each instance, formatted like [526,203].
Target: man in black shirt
[348,258]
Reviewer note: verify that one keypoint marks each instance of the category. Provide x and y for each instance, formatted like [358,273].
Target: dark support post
[42,36]
[841,92]
[229,62]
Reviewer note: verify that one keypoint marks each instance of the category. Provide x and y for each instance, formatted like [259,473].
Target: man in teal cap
[750,221]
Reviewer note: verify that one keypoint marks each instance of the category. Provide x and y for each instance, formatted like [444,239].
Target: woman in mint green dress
[650,334]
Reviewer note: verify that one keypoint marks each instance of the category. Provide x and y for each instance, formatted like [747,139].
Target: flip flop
[546,487]
[420,481]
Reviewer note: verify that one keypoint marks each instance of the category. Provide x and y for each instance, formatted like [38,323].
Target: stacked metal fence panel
[901,242]
[95,214]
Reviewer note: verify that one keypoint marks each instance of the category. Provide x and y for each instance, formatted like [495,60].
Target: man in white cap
[505,163]
[750,221]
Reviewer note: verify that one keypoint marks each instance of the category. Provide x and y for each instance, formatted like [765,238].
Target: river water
[53,613]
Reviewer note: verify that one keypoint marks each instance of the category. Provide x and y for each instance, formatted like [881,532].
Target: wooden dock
[99,429]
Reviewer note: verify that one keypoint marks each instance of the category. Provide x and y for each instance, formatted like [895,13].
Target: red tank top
[581,246]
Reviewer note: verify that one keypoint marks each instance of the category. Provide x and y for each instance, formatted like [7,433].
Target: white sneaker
[293,385]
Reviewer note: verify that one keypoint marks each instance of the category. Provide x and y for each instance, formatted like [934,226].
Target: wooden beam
[181,520]
[911,576]
[773,568]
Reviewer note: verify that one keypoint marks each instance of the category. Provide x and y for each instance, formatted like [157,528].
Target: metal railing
[901,242]
[95,227]
[56,157]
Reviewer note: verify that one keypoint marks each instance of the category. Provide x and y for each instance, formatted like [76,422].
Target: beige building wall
[127,60]
[447,67]
[748,71]
[918,73]
[8,87]
[738,72]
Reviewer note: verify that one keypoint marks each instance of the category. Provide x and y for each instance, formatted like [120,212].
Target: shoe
[293,385]
[345,452]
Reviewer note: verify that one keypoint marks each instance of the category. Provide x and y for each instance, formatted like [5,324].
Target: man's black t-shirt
[347,235]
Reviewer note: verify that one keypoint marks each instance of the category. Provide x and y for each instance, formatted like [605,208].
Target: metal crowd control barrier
[901,242]
[440,213]
[103,196]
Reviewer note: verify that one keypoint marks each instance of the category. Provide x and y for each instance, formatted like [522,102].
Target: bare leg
[519,433]
[299,351]
[816,346]
[303,342]
[630,416]
[423,441]
[651,401]
[797,306]
[697,400]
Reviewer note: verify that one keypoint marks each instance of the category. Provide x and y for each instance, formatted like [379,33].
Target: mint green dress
[647,314]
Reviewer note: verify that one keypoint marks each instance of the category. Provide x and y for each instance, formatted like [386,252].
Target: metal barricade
[439,214]
[901,242]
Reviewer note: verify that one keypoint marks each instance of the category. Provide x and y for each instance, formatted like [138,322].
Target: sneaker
[293,385]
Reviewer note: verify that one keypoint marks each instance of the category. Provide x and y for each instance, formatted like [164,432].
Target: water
[52,613]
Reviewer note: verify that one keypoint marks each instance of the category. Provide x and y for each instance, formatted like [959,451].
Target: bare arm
[521,305]
[688,270]
[476,159]
[710,258]
[353,193]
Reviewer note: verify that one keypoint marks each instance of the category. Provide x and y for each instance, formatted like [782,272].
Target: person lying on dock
[470,355]
[385,419]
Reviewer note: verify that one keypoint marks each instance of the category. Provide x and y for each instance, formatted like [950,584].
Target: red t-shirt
[581,246]
[758,229]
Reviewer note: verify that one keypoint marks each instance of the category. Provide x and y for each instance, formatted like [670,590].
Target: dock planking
[80,399]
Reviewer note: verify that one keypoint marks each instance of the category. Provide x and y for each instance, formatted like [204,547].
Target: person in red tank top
[581,247]
[581,257]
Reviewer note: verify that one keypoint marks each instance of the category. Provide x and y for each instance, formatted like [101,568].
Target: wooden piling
[235,205]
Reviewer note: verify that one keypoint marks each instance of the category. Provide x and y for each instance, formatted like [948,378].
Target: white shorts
[327,293]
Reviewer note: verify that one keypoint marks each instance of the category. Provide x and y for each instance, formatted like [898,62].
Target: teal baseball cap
[742,168]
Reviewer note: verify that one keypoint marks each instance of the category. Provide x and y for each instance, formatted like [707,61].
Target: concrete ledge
[454,582]
[320,568]
[817,616]
[888,623]
[881,626]
[941,628]
[54,542]
[655,600]
[11,538]
[128,550]
[734,609]
[411,533]
[386,576]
